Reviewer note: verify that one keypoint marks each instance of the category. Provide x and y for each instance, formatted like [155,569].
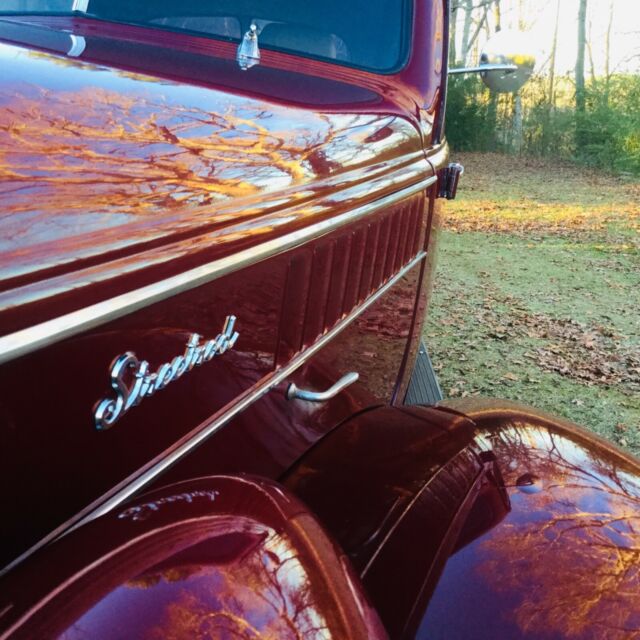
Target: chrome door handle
[294,393]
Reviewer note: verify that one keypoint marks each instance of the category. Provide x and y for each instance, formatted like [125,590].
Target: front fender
[482,519]
[565,561]
[219,557]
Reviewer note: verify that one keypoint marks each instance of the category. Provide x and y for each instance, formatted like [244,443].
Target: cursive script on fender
[144,384]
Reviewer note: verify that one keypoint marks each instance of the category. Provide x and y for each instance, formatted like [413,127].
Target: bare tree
[579,74]
[521,21]
[592,67]
[476,32]
[466,29]
[497,15]
[552,62]
[453,22]
[607,54]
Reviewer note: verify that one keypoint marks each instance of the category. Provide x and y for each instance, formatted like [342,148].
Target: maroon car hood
[137,149]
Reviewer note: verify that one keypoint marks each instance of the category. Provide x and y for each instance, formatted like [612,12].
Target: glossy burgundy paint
[271,307]
[563,563]
[220,557]
[150,157]
[414,90]
[196,173]
[393,506]
[482,519]
[124,176]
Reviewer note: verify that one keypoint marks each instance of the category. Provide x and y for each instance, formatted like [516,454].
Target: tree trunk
[607,56]
[453,21]
[492,120]
[548,133]
[516,140]
[466,30]
[521,21]
[476,33]
[580,85]
[497,15]
[552,62]
[592,67]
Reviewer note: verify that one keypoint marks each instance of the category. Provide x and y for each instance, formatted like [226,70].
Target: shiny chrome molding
[41,335]
[134,484]
[78,45]
[295,393]
[248,398]
[81,6]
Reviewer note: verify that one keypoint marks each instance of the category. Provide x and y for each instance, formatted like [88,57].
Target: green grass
[540,302]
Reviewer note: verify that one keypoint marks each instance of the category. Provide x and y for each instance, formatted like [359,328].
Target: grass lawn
[537,292]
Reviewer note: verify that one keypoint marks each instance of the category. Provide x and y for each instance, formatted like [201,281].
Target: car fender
[224,556]
[482,519]
[565,561]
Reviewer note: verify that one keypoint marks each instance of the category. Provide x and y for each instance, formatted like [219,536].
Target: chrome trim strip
[41,335]
[483,68]
[80,5]
[250,397]
[237,406]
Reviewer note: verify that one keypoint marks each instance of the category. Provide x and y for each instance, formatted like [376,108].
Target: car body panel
[482,515]
[152,190]
[73,378]
[112,178]
[144,206]
[392,486]
[478,514]
[563,563]
[223,557]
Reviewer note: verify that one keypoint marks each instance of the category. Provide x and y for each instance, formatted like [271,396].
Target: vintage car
[217,418]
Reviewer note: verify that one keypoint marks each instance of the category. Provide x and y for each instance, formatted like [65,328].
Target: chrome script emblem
[145,384]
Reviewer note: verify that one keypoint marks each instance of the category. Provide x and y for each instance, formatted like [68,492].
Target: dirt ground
[537,292]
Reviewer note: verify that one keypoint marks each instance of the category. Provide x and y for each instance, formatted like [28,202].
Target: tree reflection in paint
[570,548]
[266,594]
[87,150]
[132,152]
[260,590]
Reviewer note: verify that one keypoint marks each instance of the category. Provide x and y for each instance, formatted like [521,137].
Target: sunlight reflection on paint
[566,559]
[261,592]
[94,158]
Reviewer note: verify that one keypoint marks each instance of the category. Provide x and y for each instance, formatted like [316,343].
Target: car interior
[369,34]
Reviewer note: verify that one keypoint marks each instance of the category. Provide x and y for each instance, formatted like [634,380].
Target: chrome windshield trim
[131,486]
[41,335]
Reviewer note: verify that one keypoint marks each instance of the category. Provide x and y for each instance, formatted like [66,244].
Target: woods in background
[589,114]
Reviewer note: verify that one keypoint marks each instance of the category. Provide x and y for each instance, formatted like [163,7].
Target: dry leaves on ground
[525,196]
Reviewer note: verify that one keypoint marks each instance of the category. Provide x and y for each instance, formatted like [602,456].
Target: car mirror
[506,62]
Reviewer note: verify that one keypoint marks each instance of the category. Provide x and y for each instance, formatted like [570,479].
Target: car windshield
[368,34]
